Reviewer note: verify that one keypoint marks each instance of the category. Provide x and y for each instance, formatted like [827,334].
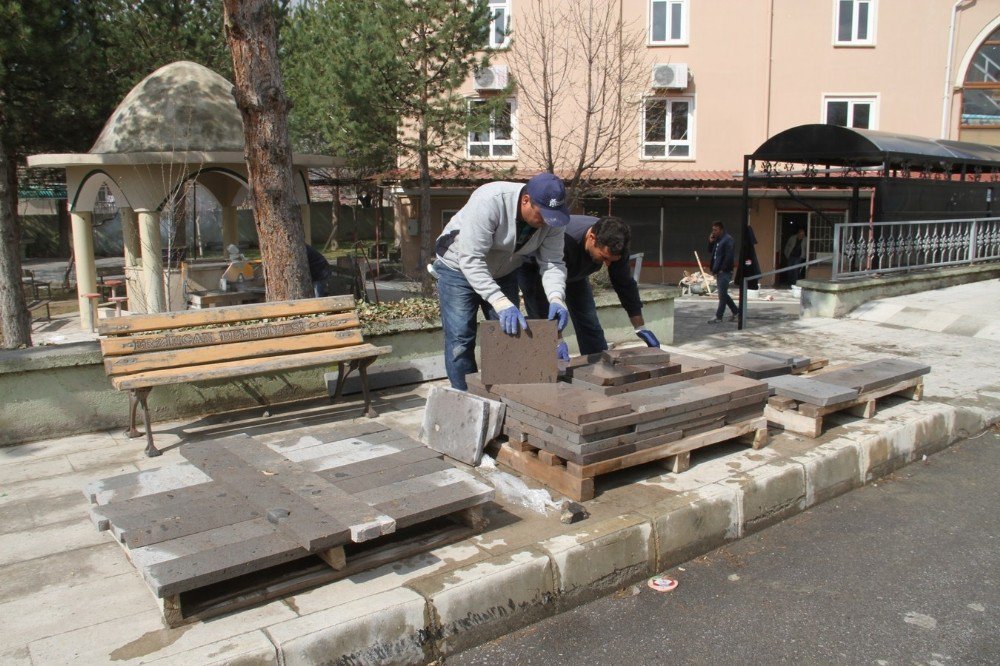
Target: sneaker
[715,321]
[735,317]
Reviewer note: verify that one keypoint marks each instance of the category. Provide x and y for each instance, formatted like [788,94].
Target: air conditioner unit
[491,78]
[673,76]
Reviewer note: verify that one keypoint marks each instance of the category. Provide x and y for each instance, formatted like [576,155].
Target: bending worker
[478,254]
[589,244]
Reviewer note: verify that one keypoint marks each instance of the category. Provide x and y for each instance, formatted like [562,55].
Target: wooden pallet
[245,520]
[577,481]
[806,419]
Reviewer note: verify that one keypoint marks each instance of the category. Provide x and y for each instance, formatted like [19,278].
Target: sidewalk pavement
[70,594]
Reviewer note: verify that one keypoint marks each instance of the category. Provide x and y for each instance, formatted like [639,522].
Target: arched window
[981,92]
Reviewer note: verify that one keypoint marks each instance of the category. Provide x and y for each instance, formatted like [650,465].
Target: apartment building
[708,81]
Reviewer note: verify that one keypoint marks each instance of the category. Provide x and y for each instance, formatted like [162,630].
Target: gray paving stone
[456,424]
[812,391]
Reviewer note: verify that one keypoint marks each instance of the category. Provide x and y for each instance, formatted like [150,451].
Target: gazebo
[179,124]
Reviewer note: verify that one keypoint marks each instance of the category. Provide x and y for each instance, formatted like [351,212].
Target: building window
[668,21]
[668,128]
[499,24]
[981,91]
[857,112]
[854,22]
[498,139]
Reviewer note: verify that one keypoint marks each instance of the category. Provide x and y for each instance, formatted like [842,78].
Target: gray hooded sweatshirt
[484,247]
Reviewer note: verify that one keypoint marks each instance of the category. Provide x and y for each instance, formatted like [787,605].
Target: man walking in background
[720,247]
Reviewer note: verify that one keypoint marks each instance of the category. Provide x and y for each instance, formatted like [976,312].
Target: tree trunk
[427,237]
[15,319]
[260,97]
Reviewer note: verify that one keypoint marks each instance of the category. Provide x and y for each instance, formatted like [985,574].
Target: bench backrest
[192,338]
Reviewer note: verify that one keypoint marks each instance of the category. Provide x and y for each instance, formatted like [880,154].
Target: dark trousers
[722,281]
[579,302]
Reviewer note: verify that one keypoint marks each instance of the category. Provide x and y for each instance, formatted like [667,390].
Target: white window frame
[855,24]
[690,142]
[493,141]
[494,6]
[852,100]
[682,39]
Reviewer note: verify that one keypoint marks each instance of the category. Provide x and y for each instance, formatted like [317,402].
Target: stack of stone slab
[245,520]
[800,402]
[762,364]
[565,435]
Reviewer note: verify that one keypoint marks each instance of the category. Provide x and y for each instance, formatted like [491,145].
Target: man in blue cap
[479,252]
[589,244]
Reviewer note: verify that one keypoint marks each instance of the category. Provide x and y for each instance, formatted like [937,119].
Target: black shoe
[715,321]
[735,317]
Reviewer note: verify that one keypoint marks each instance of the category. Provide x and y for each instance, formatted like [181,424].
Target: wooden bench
[144,351]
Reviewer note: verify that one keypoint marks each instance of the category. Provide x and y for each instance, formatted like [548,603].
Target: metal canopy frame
[834,157]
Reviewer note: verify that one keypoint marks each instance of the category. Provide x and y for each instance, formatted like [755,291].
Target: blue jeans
[579,302]
[722,281]
[459,306]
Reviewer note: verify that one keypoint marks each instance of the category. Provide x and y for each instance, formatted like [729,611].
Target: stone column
[86,268]
[152,260]
[306,223]
[230,233]
[130,237]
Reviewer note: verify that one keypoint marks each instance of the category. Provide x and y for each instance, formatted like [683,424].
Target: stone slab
[755,366]
[813,391]
[876,374]
[526,358]
[456,424]
[564,401]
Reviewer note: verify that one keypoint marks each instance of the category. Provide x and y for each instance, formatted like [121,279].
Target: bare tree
[260,97]
[579,72]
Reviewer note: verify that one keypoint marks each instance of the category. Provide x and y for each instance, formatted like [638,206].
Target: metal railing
[862,248]
[745,302]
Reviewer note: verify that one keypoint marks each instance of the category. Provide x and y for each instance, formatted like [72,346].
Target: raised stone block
[601,559]
[457,423]
[483,601]
[812,391]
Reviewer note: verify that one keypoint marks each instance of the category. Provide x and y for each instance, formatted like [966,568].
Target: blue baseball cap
[549,194]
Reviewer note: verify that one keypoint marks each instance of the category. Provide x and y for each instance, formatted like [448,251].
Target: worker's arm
[551,265]
[482,216]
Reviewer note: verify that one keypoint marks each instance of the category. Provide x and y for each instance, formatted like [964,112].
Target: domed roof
[182,106]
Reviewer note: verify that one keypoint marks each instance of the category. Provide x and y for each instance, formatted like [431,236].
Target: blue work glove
[560,314]
[647,336]
[562,351]
[511,320]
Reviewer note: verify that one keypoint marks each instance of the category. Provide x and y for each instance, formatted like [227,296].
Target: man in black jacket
[720,246]
[588,244]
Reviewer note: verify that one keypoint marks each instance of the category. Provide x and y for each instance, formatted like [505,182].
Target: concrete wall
[62,390]
[823,298]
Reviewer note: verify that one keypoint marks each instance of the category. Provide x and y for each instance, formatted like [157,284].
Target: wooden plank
[224,315]
[359,484]
[302,433]
[312,527]
[230,369]
[564,401]
[673,448]
[242,333]
[180,358]
[104,515]
[579,489]
[349,510]
[793,421]
[335,557]
[781,403]
[146,482]
[528,357]
[198,514]
[378,465]
[209,557]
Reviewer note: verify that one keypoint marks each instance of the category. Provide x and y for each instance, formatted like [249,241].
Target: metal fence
[860,248]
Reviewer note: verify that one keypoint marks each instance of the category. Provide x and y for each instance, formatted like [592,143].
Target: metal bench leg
[140,396]
[341,377]
[133,403]
[363,371]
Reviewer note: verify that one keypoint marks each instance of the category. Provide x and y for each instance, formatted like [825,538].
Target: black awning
[844,146]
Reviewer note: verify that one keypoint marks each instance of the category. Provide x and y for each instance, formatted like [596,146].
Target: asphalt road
[906,571]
